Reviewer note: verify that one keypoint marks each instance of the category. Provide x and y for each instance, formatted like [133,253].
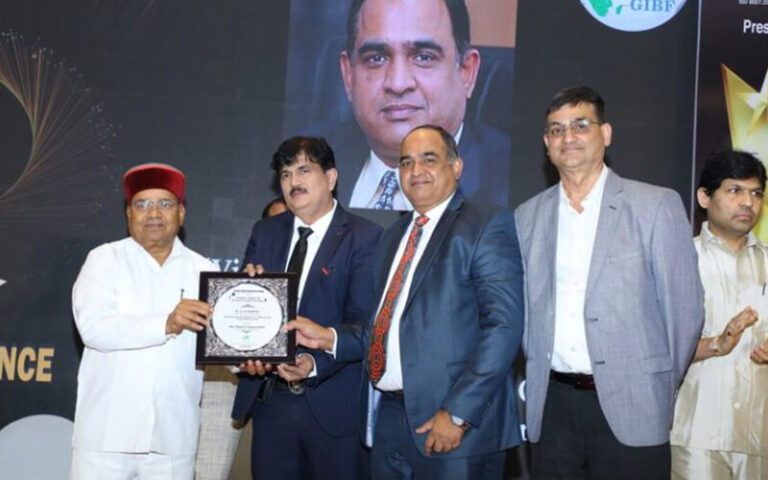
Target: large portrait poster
[733,82]
[363,74]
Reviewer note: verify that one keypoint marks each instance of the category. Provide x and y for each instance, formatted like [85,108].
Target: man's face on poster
[405,71]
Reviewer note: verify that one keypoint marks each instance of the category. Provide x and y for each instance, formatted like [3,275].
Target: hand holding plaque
[248,315]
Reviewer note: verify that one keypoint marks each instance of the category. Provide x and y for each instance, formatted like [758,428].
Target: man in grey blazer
[614,307]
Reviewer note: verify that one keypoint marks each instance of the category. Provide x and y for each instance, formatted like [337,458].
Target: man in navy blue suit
[439,350]
[305,419]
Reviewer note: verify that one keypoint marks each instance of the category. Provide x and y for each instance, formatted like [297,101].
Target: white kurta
[723,401]
[138,390]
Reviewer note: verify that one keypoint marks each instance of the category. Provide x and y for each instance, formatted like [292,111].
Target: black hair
[729,163]
[575,95]
[316,149]
[457,11]
[448,141]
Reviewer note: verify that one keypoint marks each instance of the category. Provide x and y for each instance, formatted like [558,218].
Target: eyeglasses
[146,205]
[578,126]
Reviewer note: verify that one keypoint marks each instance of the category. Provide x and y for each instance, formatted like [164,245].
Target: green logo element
[603,7]
[632,15]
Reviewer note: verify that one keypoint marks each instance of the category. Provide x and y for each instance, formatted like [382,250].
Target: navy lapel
[390,244]
[336,230]
[435,242]
[470,149]
[610,207]
[281,245]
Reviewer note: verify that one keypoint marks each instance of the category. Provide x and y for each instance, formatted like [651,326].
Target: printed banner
[732,91]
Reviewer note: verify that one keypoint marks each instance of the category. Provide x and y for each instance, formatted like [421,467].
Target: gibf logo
[633,15]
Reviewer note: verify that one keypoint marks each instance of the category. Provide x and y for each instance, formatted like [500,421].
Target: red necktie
[377,356]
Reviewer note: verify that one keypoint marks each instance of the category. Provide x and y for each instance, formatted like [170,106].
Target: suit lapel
[282,243]
[606,227]
[435,242]
[549,215]
[395,235]
[470,149]
[336,230]
[354,150]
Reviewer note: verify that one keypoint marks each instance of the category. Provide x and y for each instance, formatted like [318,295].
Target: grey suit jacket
[643,310]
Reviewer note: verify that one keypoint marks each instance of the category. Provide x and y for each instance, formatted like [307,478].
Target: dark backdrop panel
[316,102]
[196,84]
[646,78]
[725,43]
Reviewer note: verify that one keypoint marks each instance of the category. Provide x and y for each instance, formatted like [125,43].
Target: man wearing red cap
[134,304]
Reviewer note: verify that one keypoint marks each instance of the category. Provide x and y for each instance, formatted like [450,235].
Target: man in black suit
[408,63]
[305,419]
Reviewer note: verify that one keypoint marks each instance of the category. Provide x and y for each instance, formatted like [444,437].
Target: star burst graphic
[71,140]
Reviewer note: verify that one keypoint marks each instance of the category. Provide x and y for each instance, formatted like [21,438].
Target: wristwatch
[459,422]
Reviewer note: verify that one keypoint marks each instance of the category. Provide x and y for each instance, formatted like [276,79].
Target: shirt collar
[321,224]
[436,212]
[594,196]
[457,137]
[378,168]
[136,249]
[708,238]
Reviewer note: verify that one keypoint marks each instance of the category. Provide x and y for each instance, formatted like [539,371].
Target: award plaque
[248,315]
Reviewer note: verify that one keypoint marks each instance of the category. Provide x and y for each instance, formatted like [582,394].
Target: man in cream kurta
[138,397]
[721,416]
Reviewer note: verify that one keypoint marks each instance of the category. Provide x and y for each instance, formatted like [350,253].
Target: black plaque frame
[211,350]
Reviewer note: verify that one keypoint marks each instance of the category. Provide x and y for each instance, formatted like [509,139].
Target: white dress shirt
[313,244]
[138,388]
[393,372]
[575,240]
[368,187]
[319,229]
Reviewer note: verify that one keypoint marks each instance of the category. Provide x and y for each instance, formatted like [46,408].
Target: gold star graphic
[748,123]
[758,101]
[747,113]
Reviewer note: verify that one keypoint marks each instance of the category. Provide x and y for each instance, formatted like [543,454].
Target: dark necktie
[377,355]
[296,263]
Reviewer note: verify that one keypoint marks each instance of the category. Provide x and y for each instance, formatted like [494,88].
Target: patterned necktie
[296,263]
[377,355]
[389,188]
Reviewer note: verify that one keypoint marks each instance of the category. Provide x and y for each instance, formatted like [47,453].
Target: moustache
[297,190]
